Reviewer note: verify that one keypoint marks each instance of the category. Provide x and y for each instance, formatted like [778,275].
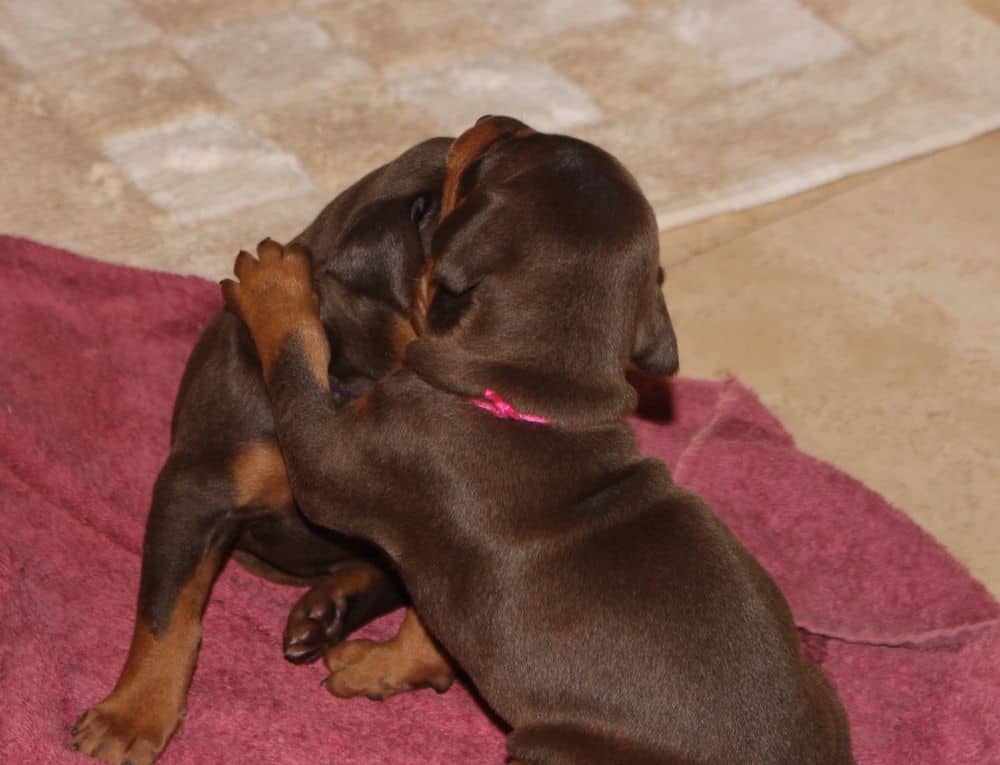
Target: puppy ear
[382,249]
[470,146]
[654,349]
[467,233]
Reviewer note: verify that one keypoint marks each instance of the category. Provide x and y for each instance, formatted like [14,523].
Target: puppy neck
[527,392]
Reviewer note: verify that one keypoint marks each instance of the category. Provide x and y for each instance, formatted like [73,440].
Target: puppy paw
[276,284]
[379,670]
[123,734]
[314,623]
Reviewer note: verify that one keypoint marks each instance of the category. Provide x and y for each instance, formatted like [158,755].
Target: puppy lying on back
[604,612]
[223,490]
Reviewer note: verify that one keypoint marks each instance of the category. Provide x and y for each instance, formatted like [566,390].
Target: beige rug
[171,133]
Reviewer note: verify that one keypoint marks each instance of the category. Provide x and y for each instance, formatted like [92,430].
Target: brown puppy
[604,612]
[224,489]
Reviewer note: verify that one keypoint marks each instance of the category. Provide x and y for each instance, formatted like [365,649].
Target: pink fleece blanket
[92,355]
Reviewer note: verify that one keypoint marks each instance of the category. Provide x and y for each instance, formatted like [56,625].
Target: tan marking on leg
[275,299]
[363,402]
[146,707]
[423,294]
[316,347]
[402,335]
[408,661]
[260,477]
[276,333]
[316,620]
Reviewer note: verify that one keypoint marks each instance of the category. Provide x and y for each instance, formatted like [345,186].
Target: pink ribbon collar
[498,406]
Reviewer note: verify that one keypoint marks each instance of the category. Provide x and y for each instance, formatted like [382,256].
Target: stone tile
[391,35]
[191,16]
[684,242]
[59,190]
[455,94]
[869,324]
[945,42]
[39,34]
[10,75]
[126,90]
[988,8]
[209,248]
[779,136]
[206,166]
[271,60]
[342,137]
[645,67]
[755,38]
[519,20]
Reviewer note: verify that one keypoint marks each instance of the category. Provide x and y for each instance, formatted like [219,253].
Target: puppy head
[368,247]
[546,277]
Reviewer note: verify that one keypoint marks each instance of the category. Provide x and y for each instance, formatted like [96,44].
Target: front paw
[314,623]
[274,287]
[123,734]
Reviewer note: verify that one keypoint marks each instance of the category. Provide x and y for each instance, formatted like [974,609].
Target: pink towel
[92,355]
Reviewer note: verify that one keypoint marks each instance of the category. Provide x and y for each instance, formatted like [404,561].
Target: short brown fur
[222,490]
[409,660]
[260,477]
[147,705]
[605,613]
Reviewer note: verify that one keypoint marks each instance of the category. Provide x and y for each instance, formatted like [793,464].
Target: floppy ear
[470,146]
[466,231]
[382,249]
[654,349]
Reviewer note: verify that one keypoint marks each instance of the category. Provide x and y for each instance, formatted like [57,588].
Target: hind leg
[408,661]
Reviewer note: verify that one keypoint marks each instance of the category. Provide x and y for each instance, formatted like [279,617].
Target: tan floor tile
[206,166]
[684,242]
[10,74]
[455,94]
[520,20]
[127,90]
[754,38]
[64,189]
[861,321]
[624,63]
[365,123]
[390,34]
[39,34]
[209,248]
[773,138]
[988,8]
[271,60]
[187,16]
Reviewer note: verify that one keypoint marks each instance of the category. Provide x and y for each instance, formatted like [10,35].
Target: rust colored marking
[471,145]
[403,333]
[260,477]
[363,402]
[423,294]
[276,300]
[408,661]
[148,702]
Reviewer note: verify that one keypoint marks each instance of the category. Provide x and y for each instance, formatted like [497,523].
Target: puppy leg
[349,597]
[185,546]
[408,661]
[329,475]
